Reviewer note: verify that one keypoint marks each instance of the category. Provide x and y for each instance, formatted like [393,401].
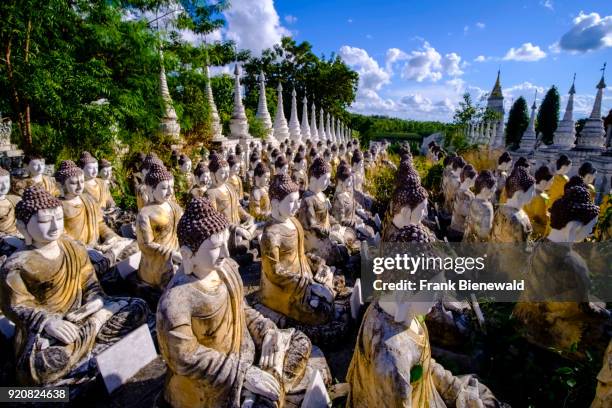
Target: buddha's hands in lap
[62,330]
[468,397]
[243,233]
[103,315]
[273,350]
[86,310]
[262,383]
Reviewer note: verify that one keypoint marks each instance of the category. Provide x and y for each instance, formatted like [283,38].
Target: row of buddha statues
[220,348]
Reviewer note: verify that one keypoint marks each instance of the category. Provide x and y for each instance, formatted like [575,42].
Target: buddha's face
[589,178]
[90,170]
[210,252]
[318,184]
[5,185]
[327,157]
[163,191]
[186,166]
[505,166]
[486,193]
[73,186]
[106,173]
[263,180]
[235,169]
[36,167]
[221,175]
[204,179]
[345,185]
[46,225]
[469,182]
[287,207]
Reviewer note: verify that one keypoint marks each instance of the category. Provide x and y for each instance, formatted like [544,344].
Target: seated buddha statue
[221,352]
[345,209]
[185,164]
[234,178]
[225,200]
[504,164]
[50,291]
[537,208]
[479,220]
[392,363]
[105,173]
[300,288]
[156,230]
[83,220]
[557,310]
[259,201]
[202,180]
[35,169]
[563,166]
[95,187]
[461,203]
[8,225]
[299,173]
[453,182]
[588,173]
[335,159]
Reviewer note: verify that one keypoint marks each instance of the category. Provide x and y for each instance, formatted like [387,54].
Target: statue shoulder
[271,234]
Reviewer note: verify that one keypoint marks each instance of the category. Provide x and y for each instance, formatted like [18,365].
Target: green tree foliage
[466,111]
[548,115]
[383,127]
[518,120]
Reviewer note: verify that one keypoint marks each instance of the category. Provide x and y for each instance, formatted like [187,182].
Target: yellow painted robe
[236,183]
[8,224]
[84,221]
[225,200]
[537,211]
[100,193]
[259,209]
[47,183]
[557,188]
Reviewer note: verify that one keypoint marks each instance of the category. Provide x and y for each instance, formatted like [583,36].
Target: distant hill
[374,127]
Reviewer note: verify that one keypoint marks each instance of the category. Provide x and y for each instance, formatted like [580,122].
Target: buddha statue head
[160,184]
[334,151]
[139,159]
[467,177]
[234,165]
[313,153]
[299,162]
[327,155]
[319,145]
[457,166]
[5,183]
[254,159]
[150,160]
[219,169]
[184,163]
[367,158]
[484,185]
[281,166]
[89,165]
[504,162]
[543,178]
[522,162]
[341,150]
[71,178]
[105,171]
[202,234]
[40,217]
[520,188]
[344,178]
[289,153]
[284,197]
[448,161]
[202,175]
[574,181]
[319,175]
[239,153]
[261,175]
[573,216]
[409,202]
[587,172]
[564,164]
[35,164]
[275,153]
[357,161]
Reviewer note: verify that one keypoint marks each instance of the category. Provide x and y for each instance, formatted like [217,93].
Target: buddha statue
[479,220]
[50,291]
[588,173]
[83,220]
[156,230]
[234,179]
[8,225]
[141,189]
[242,158]
[273,156]
[510,222]
[202,180]
[105,173]
[281,166]
[254,159]
[537,208]
[392,363]
[345,209]
[95,187]
[220,351]
[225,200]
[453,181]
[185,165]
[504,164]
[335,160]
[566,317]
[259,201]
[35,169]
[299,173]
[563,166]
[461,203]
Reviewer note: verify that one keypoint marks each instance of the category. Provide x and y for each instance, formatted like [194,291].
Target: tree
[548,115]
[518,120]
[466,111]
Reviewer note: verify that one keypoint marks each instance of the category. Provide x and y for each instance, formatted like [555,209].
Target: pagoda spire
[239,125]
[281,131]
[262,106]
[305,128]
[169,125]
[313,123]
[497,91]
[294,123]
[214,114]
[593,133]
[596,113]
[322,132]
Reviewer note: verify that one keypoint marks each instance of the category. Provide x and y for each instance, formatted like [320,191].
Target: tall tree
[548,115]
[466,111]
[518,120]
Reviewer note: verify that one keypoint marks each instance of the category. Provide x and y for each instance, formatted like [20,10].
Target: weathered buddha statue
[511,223]
[392,363]
[504,164]
[537,208]
[35,169]
[273,156]
[220,352]
[234,179]
[242,158]
[335,160]
[588,173]
[105,173]
[461,202]
[185,165]
[299,173]
[312,154]
[95,187]
[50,291]
[8,224]
[254,159]
[563,166]
[453,181]
[322,235]
[141,189]
[225,200]
[565,316]
[345,209]
[156,230]
[83,219]
[259,201]
[281,165]
[202,180]
[479,220]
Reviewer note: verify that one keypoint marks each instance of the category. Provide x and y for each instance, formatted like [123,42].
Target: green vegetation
[518,120]
[548,115]
[383,127]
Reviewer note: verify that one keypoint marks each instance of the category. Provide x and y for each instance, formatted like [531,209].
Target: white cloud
[526,52]
[290,19]
[480,25]
[482,58]
[466,29]
[589,32]
[451,64]
[394,55]
[427,63]
[548,4]
[371,75]
[350,20]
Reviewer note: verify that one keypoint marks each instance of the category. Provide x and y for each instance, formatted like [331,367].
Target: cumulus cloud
[482,58]
[589,32]
[290,19]
[371,75]
[480,25]
[426,63]
[526,52]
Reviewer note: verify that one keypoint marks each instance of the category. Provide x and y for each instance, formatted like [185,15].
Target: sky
[417,58]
